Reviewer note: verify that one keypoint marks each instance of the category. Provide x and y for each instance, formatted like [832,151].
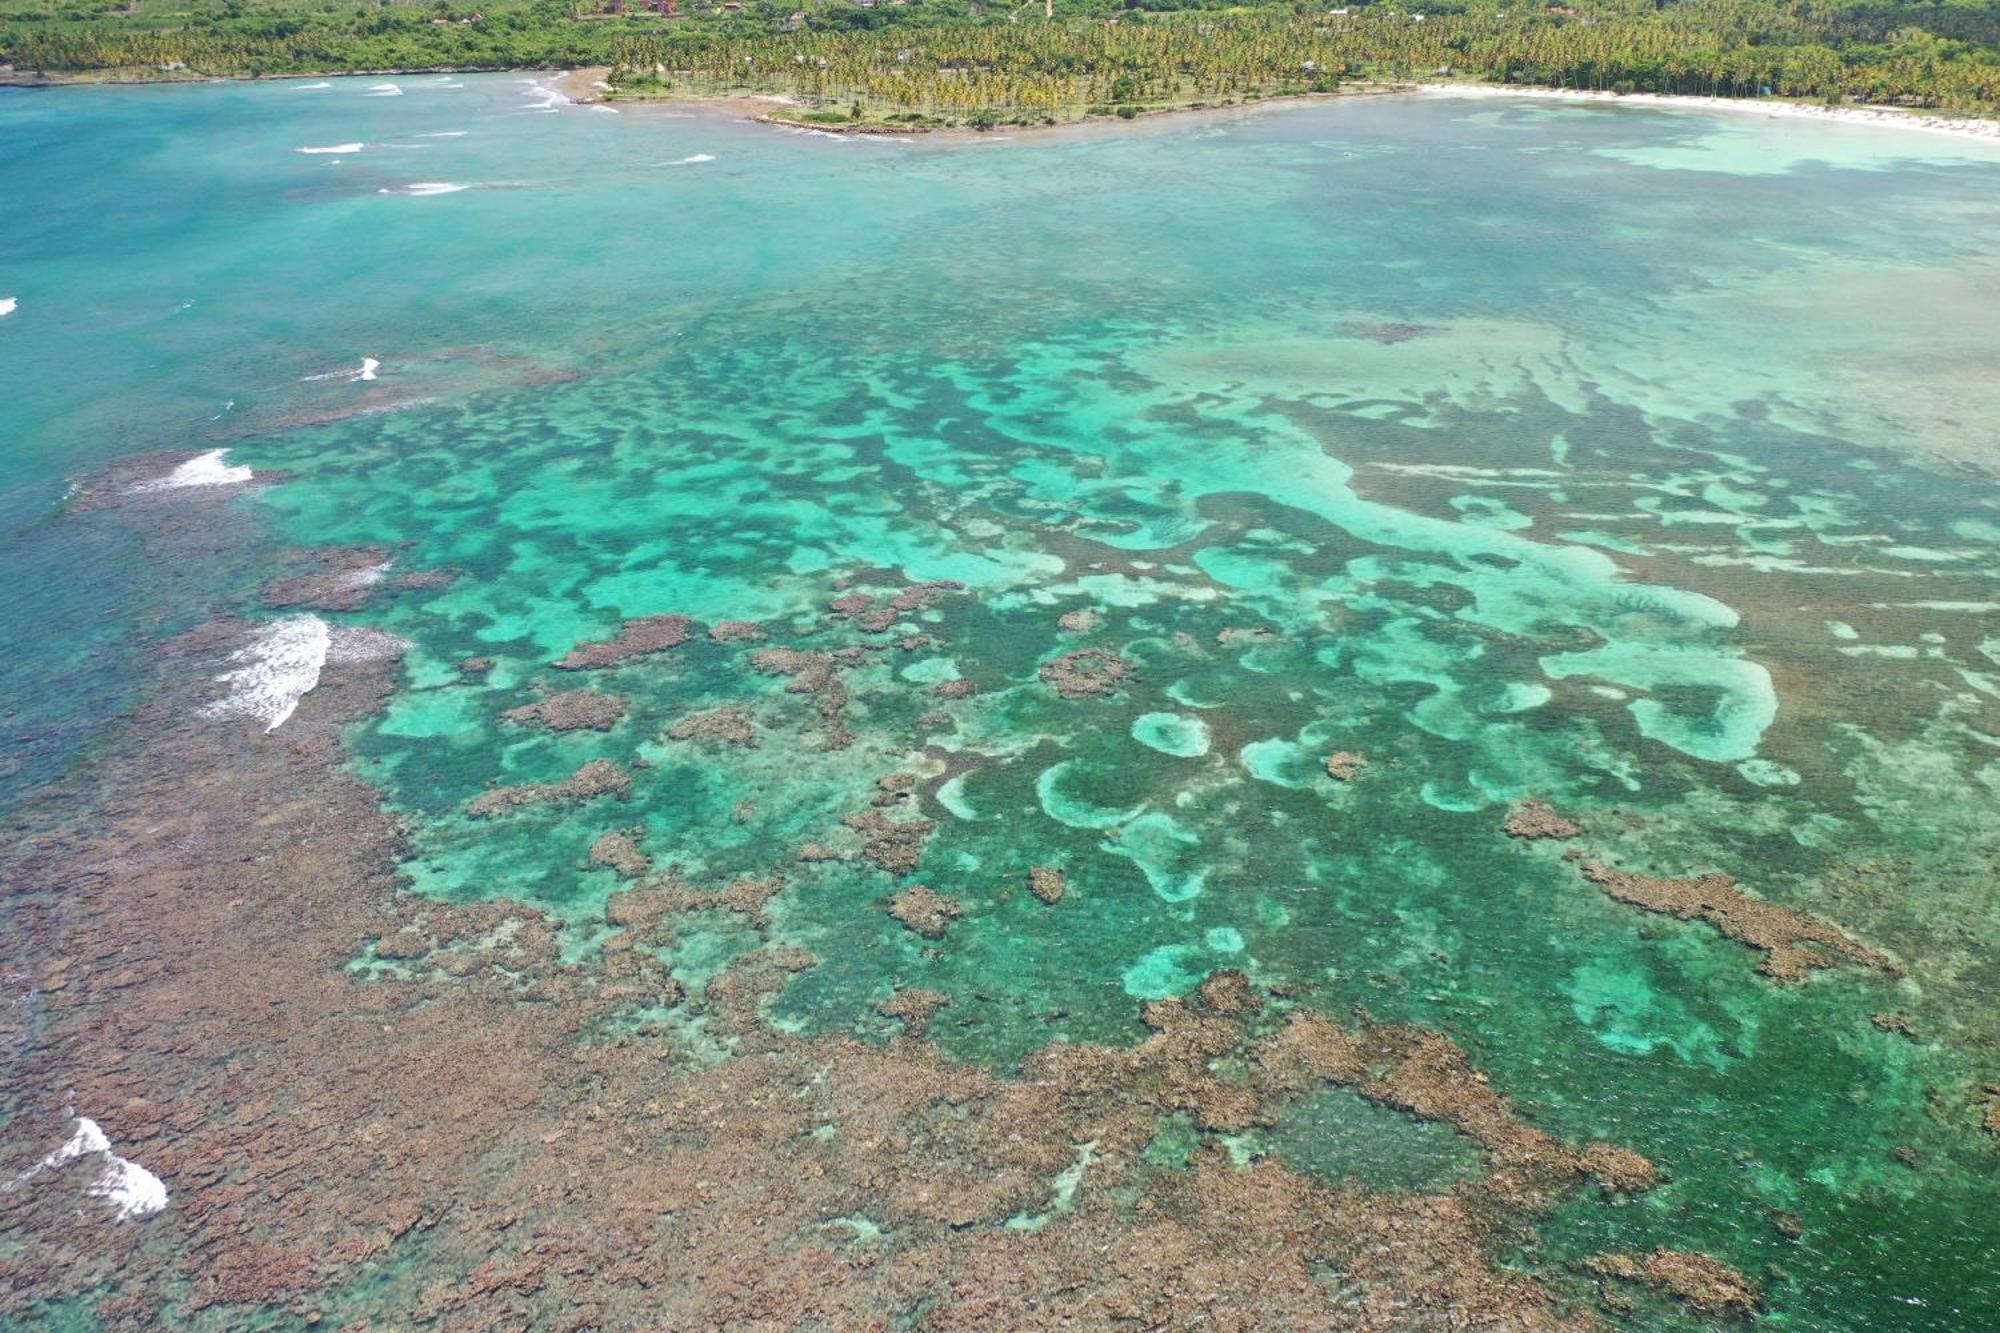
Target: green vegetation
[955,61]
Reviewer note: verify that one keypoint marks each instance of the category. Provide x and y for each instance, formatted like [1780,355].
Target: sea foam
[206,469]
[134,1190]
[282,663]
[333,148]
[8,305]
[443,134]
[369,365]
[551,99]
[422,189]
[690,160]
[384,90]
[277,668]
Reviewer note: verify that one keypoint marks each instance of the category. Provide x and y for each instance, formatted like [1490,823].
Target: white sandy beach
[1931,122]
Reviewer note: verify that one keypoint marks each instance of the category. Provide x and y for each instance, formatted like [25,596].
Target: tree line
[960,60]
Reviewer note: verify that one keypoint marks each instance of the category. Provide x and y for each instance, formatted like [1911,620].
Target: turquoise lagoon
[1641,460]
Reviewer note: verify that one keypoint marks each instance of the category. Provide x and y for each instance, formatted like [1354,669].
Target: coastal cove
[1363,709]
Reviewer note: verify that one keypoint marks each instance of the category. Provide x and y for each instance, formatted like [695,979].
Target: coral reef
[1046,883]
[638,638]
[1086,672]
[728,725]
[925,910]
[570,710]
[599,777]
[1793,943]
[1345,765]
[1700,1282]
[1534,819]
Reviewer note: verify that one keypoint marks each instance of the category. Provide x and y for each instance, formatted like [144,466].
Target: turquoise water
[1638,460]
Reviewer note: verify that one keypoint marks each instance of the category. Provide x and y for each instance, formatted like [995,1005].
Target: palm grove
[956,61]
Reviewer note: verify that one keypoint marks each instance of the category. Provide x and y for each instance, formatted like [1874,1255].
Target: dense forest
[964,61]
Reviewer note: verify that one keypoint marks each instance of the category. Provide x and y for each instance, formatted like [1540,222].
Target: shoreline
[587,85]
[1971,127]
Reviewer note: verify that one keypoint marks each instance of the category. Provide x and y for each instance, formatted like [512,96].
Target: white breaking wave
[282,664]
[369,365]
[333,148]
[8,305]
[690,160]
[442,134]
[354,644]
[207,469]
[308,87]
[422,189]
[279,667]
[384,90]
[136,1191]
[551,99]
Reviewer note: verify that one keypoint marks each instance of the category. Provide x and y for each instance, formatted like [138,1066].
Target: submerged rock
[1700,1282]
[1794,943]
[342,578]
[894,845]
[915,1007]
[729,725]
[925,910]
[1534,819]
[1046,883]
[1086,672]
[735,631]
[1345,765]
[1078,622]
[638,638]
[599,777]
[619,850]
[570,710]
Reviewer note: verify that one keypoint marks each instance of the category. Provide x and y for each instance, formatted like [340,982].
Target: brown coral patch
[340,578]
[735,631]
[896,845]
[1046,883]
[570,710]
[643,906]
[1894,1021]
[619,851]
[1345,765]
[1698,1281]
[915,1007]
[1535,819]
[816,674]
[925,910]
[638,638]
[1078,622]
[728,725]
[599,777]
[1793,943]
[1086,673]
[864,612]
[1227,992]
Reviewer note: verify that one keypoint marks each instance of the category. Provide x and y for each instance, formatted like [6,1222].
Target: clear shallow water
[1590,453]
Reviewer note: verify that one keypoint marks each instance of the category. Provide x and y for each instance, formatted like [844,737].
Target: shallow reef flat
[1390,740]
